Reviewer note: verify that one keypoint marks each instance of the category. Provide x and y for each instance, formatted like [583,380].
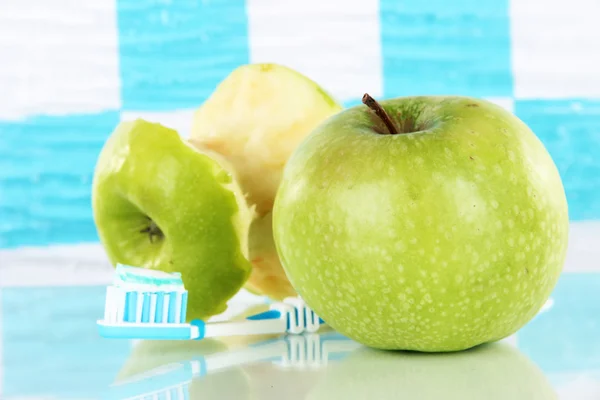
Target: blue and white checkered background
[71,70]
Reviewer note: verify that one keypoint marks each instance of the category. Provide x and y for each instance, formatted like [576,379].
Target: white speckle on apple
[511,156]
[399,245]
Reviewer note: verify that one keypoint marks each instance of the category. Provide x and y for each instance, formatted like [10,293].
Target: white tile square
[337,43]
[180,120]
[58,57]
[555,48]
[504,102]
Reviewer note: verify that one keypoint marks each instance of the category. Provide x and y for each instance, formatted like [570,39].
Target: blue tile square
[174,53]
[441,47]
[46,170]
[570,130]
[352,103]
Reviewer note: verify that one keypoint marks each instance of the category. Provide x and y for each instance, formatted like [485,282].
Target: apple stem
[380,112]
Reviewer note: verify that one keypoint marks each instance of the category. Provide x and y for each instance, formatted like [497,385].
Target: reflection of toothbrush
[146,304]
[298,352]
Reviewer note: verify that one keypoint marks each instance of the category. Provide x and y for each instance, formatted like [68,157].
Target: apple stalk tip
[380,112]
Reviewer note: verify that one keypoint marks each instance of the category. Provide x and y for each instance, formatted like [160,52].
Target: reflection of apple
[146,356]
[232,382]
[159,203]
[267,380]
[422,223]
[254,375]
[496,371]
[255,118]
[295,377]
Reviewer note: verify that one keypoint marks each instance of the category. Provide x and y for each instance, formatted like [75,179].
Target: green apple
[496,371]
[255,119]
[160,203]
[422,223]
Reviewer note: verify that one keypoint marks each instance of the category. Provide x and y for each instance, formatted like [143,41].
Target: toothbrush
[147,304]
